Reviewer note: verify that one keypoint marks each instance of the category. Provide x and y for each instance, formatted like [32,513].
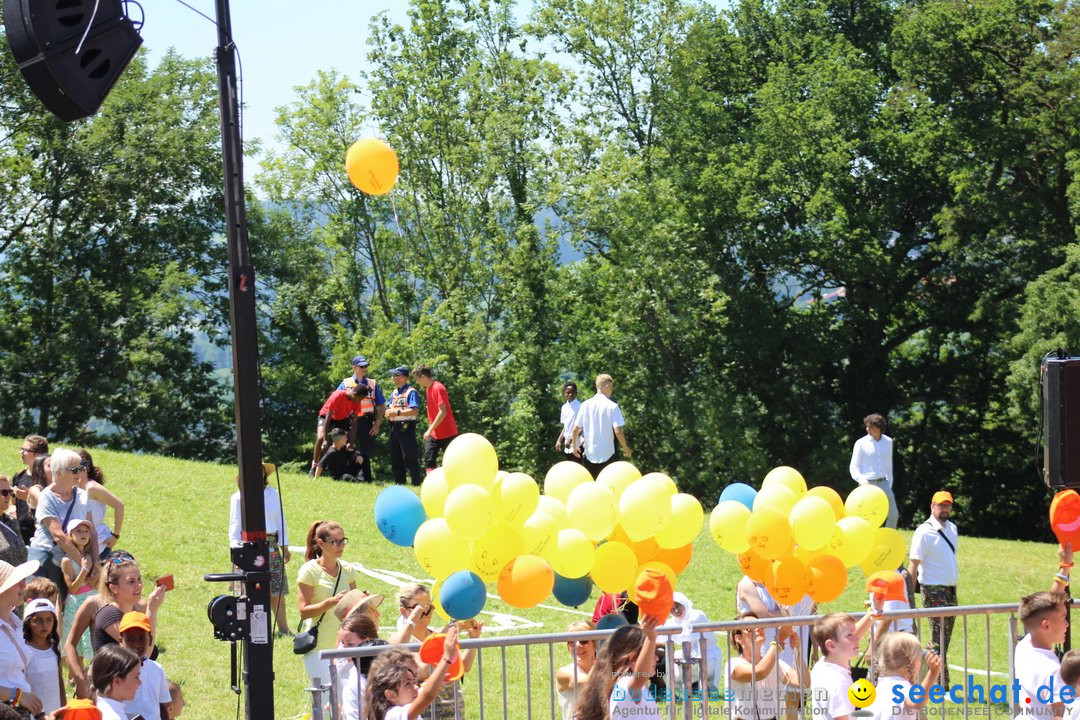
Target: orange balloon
[677,558]
[754,566]
[788,581]
[525,581]
[660,567]
[645,550]
[372,166]
[828,578]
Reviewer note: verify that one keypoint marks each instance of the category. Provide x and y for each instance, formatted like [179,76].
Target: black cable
[198,12]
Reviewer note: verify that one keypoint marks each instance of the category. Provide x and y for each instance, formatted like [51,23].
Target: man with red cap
[933,564]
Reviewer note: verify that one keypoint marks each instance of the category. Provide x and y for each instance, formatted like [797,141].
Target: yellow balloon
[433,492]
[830,496]
[469,511]
[372,166]
[538,534]
[788,477]
[870,503]
[855,538]
[614,567]
[667,482]
[644,508]
[787,581]
[888,552]
[555,508]
[776,497]
[768,533]
[728,526]
[573,555]
[591,509]
[438,550]
[516,498]
[526,581]
[685,523]
[617,476]
[470,458]
[564,477]
[493,550]
[812,521]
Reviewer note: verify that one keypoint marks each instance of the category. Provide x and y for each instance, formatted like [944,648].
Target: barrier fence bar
[695,705]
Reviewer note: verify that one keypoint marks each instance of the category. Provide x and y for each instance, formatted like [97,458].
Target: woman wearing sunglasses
[119,592]
[415,611]
[320,584]
[12,547]
[57,504]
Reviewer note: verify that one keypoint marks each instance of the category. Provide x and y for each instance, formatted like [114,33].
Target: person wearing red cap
[933,563]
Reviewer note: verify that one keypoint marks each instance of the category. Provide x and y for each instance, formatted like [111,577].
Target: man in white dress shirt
[600,421]
[567,415]
[933,563]
[871,462]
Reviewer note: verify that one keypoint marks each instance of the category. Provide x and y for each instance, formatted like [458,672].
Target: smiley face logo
[861,693]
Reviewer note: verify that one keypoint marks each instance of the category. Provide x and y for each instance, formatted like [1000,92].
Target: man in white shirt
[567,416]
[600,421]
[933,563]
[871,462]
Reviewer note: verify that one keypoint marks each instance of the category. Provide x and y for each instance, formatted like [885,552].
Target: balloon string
[397,223]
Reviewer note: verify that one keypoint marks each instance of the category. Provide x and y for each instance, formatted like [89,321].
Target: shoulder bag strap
[332,594]
[947,540]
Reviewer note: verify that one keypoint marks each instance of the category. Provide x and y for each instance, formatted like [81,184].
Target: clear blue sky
[282,43]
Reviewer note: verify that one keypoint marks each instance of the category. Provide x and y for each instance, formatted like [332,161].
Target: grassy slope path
[177,517]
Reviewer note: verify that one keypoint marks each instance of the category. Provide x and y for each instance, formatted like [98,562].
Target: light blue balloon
[398,514]
[739,492]
[572,591]
[463,595]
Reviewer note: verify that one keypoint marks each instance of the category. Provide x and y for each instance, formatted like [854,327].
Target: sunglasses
[25,450]
[427,607]
[120,557]
[75,469]
[6,492]
[340,543]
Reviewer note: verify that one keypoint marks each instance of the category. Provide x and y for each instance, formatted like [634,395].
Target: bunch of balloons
[800,541]
[474,524]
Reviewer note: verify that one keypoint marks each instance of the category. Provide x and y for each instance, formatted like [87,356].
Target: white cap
[38,605]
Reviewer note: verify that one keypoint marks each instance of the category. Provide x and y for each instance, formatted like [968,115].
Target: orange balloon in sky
[372,166]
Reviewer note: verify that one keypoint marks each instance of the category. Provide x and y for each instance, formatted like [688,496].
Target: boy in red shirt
[441,425]
[339,411]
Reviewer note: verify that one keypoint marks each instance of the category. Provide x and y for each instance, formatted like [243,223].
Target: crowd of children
[81,599]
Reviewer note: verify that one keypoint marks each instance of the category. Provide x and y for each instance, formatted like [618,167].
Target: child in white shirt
[837,637]
[900,657]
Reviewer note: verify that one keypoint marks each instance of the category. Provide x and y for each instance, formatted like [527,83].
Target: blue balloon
[739,492]
[463,595]
[572,591]
[398,513]
[611,621]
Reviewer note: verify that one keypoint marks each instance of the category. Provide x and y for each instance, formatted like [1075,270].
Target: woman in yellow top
[321,582]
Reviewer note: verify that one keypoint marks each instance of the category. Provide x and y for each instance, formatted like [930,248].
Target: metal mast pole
[254,558]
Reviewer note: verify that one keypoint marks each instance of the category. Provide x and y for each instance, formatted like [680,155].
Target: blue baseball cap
[400,370]
[360,360]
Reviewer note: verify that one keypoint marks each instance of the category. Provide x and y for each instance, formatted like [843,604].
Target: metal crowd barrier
[682,701]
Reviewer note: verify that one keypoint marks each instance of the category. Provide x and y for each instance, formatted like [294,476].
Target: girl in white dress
[392,692]
[571,678]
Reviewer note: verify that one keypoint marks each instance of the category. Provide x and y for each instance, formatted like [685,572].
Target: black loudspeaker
[1060,378]
[43,36]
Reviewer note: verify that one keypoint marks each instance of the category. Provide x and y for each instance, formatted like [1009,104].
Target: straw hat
[356,601]
[10,575]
